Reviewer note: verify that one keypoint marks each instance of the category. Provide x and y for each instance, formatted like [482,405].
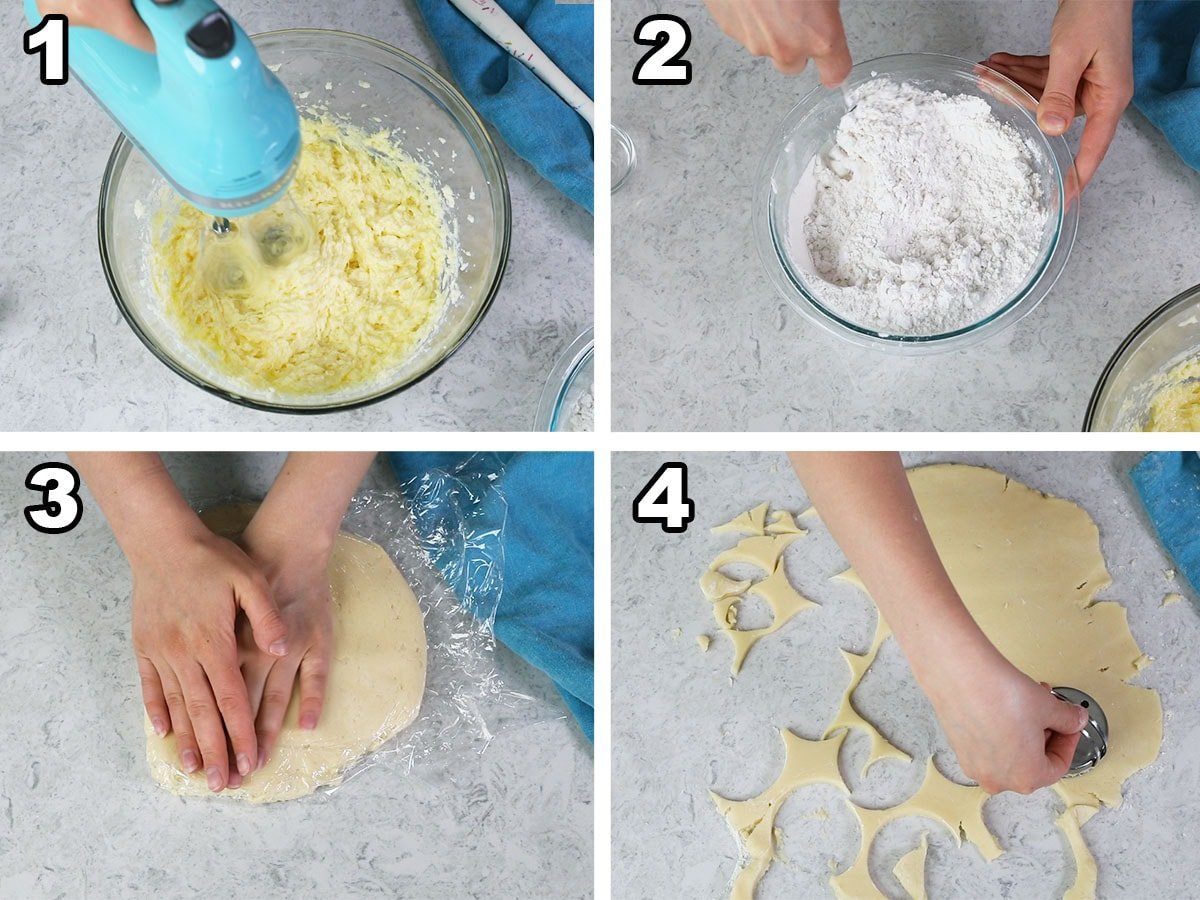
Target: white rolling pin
[499,26]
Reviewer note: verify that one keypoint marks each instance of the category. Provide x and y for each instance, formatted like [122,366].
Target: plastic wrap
[440,522]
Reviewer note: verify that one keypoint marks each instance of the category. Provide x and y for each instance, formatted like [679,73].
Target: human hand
[1089,71]
[296,568]
[790,33]
[117,17]
[1014,735]
[188,589]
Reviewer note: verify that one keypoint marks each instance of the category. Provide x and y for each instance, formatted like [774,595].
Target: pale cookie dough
[349,311]
[1029,568]
[910,868]
[376,679]
[1176,405]
[763,549]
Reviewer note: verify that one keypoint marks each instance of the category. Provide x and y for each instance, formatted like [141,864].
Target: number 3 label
[60,509]
[664,500]
[670,37]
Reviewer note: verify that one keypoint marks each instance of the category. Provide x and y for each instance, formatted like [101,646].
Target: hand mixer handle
[203,108]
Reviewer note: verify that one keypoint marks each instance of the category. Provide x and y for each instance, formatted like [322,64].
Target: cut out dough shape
[376,678]
[1029,567]
[753,820]
[910,869]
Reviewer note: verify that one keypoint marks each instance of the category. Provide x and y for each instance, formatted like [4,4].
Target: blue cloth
[543,512]
[1169,485]
[534,121]
[1166,71]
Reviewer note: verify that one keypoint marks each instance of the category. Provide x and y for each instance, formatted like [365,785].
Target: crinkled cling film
[440,522]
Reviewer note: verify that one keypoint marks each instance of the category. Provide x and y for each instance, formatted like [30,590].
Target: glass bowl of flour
[568,398]
[919,209]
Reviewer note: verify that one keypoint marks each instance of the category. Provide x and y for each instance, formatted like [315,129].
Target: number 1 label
[49,38]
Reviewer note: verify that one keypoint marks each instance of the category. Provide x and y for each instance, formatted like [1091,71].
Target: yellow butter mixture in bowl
[406,226]
[348,309]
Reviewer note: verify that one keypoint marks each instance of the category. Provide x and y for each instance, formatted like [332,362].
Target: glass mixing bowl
[569,380]
[808,130]
[374,87]
[1167,337]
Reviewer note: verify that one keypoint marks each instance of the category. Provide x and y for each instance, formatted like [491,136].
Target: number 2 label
[60,509]
[664,500]
[49,38]
[670,37]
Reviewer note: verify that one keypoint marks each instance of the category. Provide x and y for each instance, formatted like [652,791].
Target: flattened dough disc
[376,678]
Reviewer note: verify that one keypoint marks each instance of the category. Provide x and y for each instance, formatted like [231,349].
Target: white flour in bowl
[924,216]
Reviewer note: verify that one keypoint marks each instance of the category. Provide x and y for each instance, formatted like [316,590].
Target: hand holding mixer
[213,120]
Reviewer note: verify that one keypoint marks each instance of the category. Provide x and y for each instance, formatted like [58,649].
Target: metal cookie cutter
[1093,740]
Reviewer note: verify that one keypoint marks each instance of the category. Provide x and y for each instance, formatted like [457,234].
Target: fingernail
[214,779]
[243,762]
[262,758]
[159,728]
[1054,122]
[308,721]
[190,763]
[1083,717]
[279,648]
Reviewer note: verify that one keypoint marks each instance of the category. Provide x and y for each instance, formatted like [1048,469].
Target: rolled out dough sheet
[1029,568]
[376,678]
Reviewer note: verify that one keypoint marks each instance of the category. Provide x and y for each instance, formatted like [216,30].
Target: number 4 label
[49,38]
[670,37]
[664,500]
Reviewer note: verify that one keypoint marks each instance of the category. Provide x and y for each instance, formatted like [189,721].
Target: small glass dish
[808,130]
[373,86]
[1166,338]
[570,380]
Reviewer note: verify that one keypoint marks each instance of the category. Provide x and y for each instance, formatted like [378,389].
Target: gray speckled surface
[79,817]
[67,354]
[682,728]
[701,338]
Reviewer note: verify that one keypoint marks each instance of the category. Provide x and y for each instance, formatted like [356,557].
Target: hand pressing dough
[1029,567]
[376,678]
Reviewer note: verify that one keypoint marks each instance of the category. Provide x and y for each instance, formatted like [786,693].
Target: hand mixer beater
[217,124]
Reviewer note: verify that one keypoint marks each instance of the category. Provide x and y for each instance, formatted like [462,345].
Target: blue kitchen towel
[1169,485]
[534,121]
[544,503]
[1166,71]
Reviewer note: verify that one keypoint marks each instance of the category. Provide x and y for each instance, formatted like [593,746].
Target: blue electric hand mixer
[217,124]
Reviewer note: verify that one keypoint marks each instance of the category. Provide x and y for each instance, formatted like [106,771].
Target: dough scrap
[910,868]
[753,820]
[376,679]
[1170,599]
[752,521]
[782,522]
[1029,568]
[764,551]
[848,717]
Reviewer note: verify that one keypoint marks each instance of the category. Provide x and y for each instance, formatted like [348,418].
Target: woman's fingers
[1056,108]
[1097,136]
[117,17]
[181,723]
[270,634]
[277,694]
[314,671]
[1060,750]
[205,718]
[152,697]
[229,690]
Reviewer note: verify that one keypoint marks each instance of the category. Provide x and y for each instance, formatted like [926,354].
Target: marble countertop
[703,341]
[682,727]
[69,362]
[79,816]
